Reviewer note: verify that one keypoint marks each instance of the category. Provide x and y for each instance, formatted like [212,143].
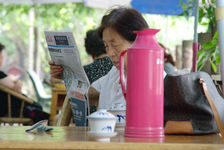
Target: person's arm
[11,83]
[56,70]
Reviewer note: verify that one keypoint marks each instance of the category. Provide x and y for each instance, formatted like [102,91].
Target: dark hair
[1,47]
[124,21]
[93,44]
[167,55]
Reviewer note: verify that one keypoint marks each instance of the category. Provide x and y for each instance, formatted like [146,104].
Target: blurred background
[22,25]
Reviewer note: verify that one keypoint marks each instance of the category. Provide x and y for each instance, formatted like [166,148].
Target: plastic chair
[20,119]
[42,96]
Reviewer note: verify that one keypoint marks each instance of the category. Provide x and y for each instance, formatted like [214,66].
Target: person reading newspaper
[101,64]
[116,31]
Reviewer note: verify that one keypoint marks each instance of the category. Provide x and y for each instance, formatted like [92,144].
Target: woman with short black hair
[101,64]
[93,44]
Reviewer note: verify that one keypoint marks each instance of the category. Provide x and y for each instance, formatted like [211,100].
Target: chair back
[12,95]
[38,86]
[66,113]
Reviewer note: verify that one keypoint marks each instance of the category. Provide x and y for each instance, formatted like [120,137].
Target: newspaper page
[63,51]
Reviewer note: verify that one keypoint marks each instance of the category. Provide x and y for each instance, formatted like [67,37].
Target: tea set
[102,122]
[118,110]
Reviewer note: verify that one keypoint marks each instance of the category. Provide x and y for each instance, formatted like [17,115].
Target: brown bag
[192,105]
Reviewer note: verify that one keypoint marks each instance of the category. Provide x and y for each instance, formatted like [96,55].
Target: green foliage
[187,7]
[15,24]
[210,50]
[206,12]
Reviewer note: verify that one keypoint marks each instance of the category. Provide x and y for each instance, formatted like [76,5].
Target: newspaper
[63,51]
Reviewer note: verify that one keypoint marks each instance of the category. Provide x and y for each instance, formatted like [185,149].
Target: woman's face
[114,44]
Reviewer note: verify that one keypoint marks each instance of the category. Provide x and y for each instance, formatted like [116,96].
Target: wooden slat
[15,120]
[13,93]
[54,102]
[59,91]
[23,99]
[9,106]
[21,109]
[66,113]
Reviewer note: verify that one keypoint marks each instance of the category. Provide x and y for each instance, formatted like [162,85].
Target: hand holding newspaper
[64,52]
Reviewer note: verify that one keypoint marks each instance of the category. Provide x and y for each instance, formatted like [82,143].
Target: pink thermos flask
[143,88]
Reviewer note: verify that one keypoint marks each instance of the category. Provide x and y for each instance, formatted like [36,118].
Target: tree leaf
[207,45]
[215,35]
[217,59]
[214,67]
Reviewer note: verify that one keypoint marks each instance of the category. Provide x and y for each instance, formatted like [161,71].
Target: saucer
[101,136]
[120,125]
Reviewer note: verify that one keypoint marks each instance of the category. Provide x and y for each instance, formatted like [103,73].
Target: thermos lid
[101,114]
[146,40]
[147,31]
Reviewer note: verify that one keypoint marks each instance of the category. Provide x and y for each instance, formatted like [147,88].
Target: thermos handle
[122,77]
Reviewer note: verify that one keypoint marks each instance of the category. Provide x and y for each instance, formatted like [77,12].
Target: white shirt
[110,89]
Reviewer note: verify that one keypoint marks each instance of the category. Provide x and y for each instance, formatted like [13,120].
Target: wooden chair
[20,119]
[66,113]
[218,83]
[58,97]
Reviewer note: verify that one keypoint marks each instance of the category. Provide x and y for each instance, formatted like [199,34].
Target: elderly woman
[116,31]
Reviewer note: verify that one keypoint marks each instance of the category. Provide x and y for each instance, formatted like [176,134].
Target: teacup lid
[118,107]
[101,114]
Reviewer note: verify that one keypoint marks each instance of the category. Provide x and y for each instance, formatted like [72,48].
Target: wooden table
[58,95]
[74,138]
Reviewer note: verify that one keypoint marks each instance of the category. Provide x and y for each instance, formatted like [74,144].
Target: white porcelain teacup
[119,111]
[101,121]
